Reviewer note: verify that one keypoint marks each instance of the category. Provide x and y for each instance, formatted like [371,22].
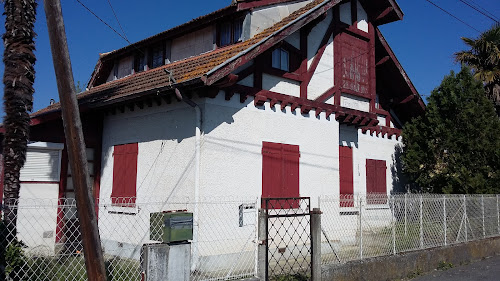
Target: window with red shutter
[124,174]
[346,176]
[376,183]
[280,171]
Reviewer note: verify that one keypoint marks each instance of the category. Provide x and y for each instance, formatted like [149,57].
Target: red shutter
[280,172]
[346,176]
[125,174]
[371,177]
[381,177]
[376,182]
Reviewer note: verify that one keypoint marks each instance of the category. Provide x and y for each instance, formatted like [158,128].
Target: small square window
[230,32]
[139,62]
[225,34]
[156,56]
[280,59]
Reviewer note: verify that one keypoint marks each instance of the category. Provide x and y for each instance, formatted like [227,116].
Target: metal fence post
[316,244]
[406,214]
[482,209]
[262,247]
[498,217]
[360,228]
[421,223]
[465,218]
[393,226]
[444,219]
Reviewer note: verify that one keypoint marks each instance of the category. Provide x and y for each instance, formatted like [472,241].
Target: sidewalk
[484,270]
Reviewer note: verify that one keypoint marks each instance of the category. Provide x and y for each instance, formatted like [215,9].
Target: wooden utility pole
[75,144]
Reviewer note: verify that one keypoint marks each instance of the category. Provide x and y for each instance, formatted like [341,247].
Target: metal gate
[288,232]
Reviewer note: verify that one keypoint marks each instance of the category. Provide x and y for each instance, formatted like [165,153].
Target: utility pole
[75,144]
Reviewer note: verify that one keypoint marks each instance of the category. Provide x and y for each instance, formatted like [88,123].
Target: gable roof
[204,69]
[191,70]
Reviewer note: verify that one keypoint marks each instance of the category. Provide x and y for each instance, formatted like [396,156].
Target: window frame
[231,23]
[280,51]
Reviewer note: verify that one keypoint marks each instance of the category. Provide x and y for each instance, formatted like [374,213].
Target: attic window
[230,32]
[139,62]
[157,56]
[280,59]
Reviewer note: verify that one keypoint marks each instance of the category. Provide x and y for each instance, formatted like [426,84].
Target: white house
[279,99]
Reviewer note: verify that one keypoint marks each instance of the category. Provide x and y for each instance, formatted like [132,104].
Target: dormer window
[230,32]
[280,59]
[157,56]
[139,62]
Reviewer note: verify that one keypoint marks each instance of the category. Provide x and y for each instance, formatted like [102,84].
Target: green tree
[484,59]
[455,146]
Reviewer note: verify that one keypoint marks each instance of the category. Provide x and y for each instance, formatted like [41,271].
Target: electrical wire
[450,14]
[119,24]
[478,10]
[484,10]
[114,30]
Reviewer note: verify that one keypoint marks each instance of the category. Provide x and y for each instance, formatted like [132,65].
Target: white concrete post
[444,219]
[421,223]
[262,248]
[360,228]
[316,244]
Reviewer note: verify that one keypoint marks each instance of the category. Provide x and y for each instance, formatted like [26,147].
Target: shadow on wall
[401,183]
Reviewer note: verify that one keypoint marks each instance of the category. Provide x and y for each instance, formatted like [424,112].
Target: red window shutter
[346,176]
[376,181]
[280,172]
[381,176]
[125,173]
[371,177]
[291,155]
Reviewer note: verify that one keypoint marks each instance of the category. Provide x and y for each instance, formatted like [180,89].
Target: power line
[450,14]
[484,10]
[90,11]
[121,28]
[478,10]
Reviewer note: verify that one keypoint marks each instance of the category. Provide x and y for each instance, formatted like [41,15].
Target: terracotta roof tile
[183,70]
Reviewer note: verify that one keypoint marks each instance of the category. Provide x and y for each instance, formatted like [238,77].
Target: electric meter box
[169,227]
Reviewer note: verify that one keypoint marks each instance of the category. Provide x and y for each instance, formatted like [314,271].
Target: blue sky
[424,41]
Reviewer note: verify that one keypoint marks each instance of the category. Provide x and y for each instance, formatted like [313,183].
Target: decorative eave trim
[382,130]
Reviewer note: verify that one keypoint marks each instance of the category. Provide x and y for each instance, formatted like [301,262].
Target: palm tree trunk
[19,75]
[493,93]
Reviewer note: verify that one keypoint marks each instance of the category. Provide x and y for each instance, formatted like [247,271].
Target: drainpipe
[197,149]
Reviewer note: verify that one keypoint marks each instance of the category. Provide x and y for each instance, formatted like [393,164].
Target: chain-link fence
[356,227]
[223,246]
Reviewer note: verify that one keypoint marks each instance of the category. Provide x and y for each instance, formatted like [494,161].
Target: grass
[73,267]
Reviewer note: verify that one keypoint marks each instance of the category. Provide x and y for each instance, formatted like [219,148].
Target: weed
[444,265]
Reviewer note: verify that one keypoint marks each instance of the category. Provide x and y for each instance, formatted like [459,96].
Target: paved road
[484,270]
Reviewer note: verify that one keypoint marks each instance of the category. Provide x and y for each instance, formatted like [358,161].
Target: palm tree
[484,59]
[19,75]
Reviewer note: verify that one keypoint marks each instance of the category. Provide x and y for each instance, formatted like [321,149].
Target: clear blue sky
[424,41]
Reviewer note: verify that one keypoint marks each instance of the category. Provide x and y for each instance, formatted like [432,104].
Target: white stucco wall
[264,17]
[280,85]
[355,102]
[193,44]
[231,152]
[323,77]
[362,18]
[316,36]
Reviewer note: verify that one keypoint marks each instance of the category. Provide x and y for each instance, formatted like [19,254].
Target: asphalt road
[484,270]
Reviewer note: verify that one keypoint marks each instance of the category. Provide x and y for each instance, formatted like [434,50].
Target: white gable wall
[264,17]
[193,44]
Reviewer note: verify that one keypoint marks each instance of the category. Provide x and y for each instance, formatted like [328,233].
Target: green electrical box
[170,227]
